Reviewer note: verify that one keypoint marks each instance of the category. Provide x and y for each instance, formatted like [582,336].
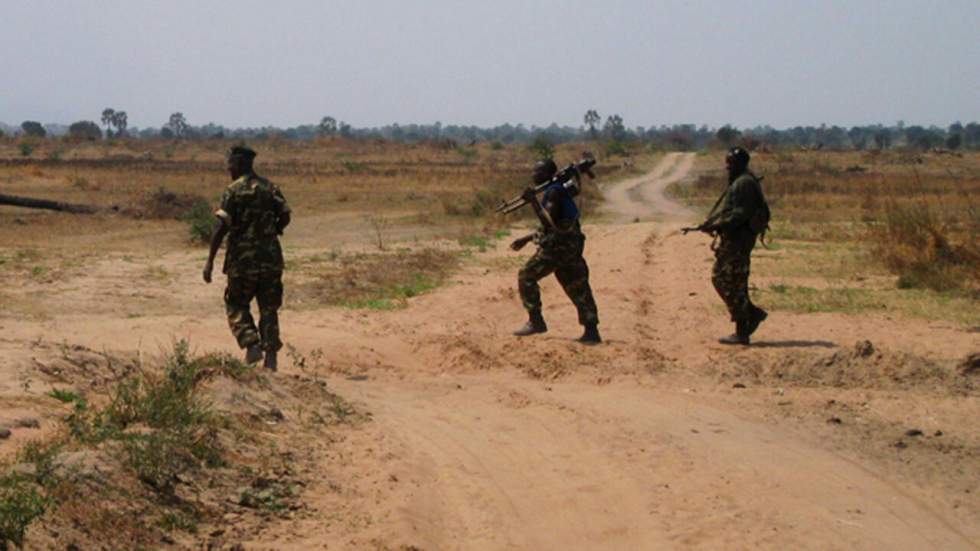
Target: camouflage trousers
[730,275]
[266,289]
[561,255]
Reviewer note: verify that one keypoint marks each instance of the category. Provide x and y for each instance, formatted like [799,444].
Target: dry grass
[424,185]
[865,231]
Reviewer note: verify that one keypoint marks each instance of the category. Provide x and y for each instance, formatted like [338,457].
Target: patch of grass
[481,242]
[20,504]
[65,396]
[172,521]
[268,495]
[379,281]
[164,428]
[920,303]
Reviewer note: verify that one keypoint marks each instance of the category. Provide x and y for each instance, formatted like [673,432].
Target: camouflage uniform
[560,252]
[252,207]
[730,274]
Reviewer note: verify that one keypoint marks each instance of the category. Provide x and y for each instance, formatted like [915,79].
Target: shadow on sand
[794,344]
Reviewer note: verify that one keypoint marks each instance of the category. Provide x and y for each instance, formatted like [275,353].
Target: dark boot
[741,335]
[535,324]
[734,338]
[758,317]
[271,361]
[591,335]
[253,354]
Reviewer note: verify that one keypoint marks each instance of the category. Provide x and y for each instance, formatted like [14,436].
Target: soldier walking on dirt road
[560,245]
[253,214]
[744,215]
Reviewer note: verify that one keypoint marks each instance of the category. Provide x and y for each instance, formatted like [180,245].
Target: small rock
[4,434]
[784,403]
[738,385]
[901,445]
[913,432]
[28,423]
[835,421]
[970,365]
[938,433]
[863,349]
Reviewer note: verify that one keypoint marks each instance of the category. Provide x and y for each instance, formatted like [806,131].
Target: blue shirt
[556,193]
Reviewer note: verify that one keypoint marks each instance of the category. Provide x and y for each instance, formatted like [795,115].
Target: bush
[20,504]
[164,427]
[616,148]
[26,148]
[541,147]
[201,222]
[927,249]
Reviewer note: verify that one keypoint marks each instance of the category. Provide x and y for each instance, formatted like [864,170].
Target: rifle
[565,176]
[712,215]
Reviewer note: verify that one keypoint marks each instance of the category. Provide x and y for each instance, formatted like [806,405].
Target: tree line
[612,131]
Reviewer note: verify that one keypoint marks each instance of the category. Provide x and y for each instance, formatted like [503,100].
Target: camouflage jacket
[743,198]
[252,208]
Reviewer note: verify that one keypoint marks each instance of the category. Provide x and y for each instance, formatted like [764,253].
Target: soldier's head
[543,171]
[240,161]
[737,161]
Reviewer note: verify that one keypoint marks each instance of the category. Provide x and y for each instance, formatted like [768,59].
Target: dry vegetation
[152,454]
[872,231]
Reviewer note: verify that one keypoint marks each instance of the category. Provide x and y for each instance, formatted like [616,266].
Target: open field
[405,416]
[890,232]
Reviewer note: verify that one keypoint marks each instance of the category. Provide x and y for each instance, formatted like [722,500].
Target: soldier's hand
[529,194]
[208,268]
[519,243]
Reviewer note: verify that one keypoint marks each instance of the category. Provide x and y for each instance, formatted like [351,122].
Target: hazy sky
[252,63]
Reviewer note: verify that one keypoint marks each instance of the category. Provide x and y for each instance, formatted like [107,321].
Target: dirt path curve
[644,197]
[483,457]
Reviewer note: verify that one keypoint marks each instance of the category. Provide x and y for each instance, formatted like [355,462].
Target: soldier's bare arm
[530,195]
[520,242]
[216,238]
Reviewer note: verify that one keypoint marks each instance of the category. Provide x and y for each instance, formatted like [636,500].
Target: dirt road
[481,441]
[540,444]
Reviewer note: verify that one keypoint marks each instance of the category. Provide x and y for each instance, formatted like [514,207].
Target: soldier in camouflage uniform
[733,224]
[560,244]
[253,214]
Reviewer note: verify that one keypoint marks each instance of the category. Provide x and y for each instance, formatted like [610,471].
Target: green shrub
[20,504]
[201,222]
[541,147]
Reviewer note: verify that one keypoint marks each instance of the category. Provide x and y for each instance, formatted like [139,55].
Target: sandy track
[483,441]
[497,460]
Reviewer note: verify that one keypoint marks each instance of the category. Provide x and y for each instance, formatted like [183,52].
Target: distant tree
[120,121]
[954,141]
[882,137]
[922,138]
[177,125]
[33,128]
[614,129]
[344,129]
[327,126]
[166,133]
[85,130]
[592,120]
[858,137]
[107,120]
[727,135]
[971,135]
[954,136]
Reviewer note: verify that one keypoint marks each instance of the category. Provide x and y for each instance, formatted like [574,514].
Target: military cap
[544,170]
[739,155]
[243,152]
